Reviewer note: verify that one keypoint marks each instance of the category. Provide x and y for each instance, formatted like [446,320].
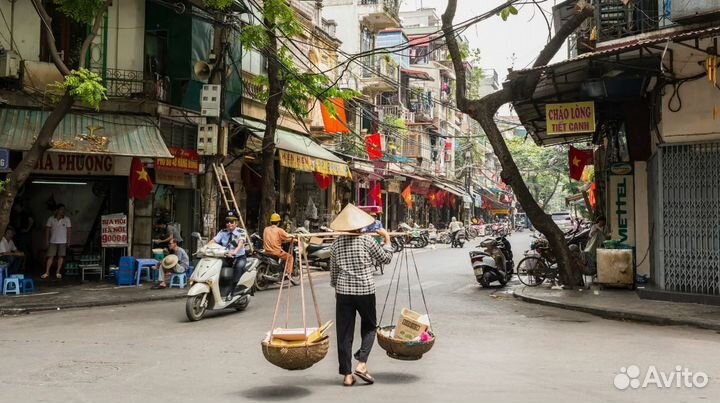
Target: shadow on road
[275,393]
[395,378]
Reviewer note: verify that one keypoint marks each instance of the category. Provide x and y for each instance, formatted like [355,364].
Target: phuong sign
[185,161]
[570,118]
[114,230]
[59,163]
[622,203]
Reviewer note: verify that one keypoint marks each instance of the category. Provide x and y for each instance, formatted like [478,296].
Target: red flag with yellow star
[323,180]
[577,161]
[407,196]
[140,182]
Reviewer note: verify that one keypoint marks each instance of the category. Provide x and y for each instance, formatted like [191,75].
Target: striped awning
[85,133]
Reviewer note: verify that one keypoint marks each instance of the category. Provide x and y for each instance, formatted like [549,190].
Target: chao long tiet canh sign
[570,118]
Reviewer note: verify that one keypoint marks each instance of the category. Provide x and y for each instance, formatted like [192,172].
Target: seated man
[10,254]
[233,239]
[273,238]
[170,232]
[178,265]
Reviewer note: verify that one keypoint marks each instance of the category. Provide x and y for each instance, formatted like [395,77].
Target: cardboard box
[410,325]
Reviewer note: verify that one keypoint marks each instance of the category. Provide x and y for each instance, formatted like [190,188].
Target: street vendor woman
[352,263]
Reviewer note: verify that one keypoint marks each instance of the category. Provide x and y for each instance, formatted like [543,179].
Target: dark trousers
[238,268]
[345,308]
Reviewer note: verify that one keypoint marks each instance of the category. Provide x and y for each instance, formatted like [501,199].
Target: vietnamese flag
[140,183]
[335,122]
[577,159]
[433,199]
[323,180]
[440,196]
[373,144]
[376,195]
[407,196]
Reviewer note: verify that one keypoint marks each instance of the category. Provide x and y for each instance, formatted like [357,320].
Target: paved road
[490,347]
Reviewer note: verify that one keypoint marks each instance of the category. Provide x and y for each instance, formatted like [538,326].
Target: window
[69,36]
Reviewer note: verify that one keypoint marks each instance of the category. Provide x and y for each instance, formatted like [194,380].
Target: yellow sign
[570,118]
[310,164]
[500,212]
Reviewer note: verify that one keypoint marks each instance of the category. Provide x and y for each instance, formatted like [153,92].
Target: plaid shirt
[352,263]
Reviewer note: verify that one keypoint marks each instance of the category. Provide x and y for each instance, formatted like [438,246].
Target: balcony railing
[135,84]
[391,6]
[614,19]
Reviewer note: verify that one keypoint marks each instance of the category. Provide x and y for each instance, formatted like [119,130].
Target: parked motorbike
[494,263]
[458,241]
[271,269]
[318,254]
[414,238]
[212,281]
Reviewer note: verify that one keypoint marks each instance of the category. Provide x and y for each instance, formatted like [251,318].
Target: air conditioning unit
[9,64]
[690,11]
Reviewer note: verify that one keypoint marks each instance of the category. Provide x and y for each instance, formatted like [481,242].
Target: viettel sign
[570,118]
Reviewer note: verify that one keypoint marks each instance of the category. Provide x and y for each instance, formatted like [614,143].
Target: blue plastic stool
[178,280]
[146,270]
[27,285]
[11,281]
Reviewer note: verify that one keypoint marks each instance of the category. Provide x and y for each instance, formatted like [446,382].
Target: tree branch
[50,38]
[93,33]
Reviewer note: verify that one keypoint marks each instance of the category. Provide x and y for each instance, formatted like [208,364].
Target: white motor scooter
[211,282]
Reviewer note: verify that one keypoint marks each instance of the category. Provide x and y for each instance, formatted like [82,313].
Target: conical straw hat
[169,262]
[351,218]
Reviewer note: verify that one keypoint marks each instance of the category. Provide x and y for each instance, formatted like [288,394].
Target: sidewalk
[75,295]
[623,305]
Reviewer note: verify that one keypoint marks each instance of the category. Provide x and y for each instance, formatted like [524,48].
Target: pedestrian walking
[352,263]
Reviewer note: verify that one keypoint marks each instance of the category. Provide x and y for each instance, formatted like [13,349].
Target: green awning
[85,133]
[297,151]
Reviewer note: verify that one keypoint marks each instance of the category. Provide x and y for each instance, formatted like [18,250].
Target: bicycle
[538,266]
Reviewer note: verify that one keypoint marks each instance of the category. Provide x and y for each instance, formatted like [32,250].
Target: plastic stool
[178,280]
[20,276]
[27,285]
[146,270]
[11,281]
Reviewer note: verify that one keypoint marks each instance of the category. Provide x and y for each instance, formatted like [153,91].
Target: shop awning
[451,187]
[297,151]
[85,133]
[417,74]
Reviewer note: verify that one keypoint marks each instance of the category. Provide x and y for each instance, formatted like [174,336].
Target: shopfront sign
[621,209]
[393,186]
[185,161]
[570,118]
[170,178]
[82,164]
[4,160]
[114,230]
[310,164]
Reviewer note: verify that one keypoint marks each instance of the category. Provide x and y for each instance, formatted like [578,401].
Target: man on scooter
[273,238]
[233,239]
[455,228]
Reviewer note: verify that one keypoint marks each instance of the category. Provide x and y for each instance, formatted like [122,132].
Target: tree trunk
[272,114]
[484,110]
[550,196]
[42,143]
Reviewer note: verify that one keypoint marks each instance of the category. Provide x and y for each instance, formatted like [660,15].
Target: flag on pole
[577,159]
[140,182]
[407,196]
[373,145]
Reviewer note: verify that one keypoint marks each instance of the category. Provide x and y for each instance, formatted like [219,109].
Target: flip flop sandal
[44,276]
[365,377]
[351,383]
[58,275]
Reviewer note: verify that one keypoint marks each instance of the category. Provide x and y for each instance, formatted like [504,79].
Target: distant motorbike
[414,238]
[494,263]
[458,241]
[318,254]
[271,269]
[212,281]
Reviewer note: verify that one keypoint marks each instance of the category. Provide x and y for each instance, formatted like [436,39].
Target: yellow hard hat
[275,217]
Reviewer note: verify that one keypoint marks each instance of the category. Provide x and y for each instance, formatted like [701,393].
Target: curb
[618,315]
[40,308]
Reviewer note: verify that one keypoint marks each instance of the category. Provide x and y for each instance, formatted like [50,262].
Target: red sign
[185,161]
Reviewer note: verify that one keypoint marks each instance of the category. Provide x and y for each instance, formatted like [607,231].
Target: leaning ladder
[229,197]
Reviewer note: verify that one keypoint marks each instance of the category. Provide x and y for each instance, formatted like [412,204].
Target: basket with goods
[301,347]
[411,336]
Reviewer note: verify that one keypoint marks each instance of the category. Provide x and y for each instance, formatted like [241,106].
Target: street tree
[79,85]
[285,85]
[544,169]
[484,109]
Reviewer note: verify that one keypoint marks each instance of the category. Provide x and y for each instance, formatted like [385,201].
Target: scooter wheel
[242,303]
[194,307]
[261,283]
[295,277]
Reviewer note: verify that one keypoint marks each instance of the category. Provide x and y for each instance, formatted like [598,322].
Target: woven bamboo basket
[402,349]
[296,357]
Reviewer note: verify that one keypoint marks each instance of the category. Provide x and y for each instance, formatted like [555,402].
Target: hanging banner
[185,161]
[570,118]
[621,211]
[114,231]
[310,164]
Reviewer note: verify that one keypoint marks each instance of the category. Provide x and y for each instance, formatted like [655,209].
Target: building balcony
[379,14]
[135,84]
[380,74]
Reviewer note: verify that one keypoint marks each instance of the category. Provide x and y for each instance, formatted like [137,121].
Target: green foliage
[83,11]
[544,169]
[507,12]
[3,184]
[300,88]
[218,4]
[84,85]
